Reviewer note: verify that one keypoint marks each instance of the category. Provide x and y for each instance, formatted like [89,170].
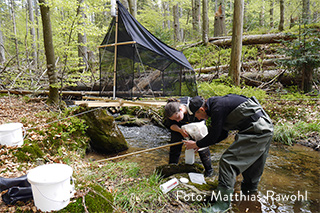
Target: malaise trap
[134,63]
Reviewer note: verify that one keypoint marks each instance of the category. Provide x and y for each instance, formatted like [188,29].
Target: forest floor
[16,109]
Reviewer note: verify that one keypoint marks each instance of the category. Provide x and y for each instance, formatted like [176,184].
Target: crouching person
[247,154]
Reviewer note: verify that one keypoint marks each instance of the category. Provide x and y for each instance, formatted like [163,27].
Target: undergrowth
[294,115]
[288,133]
[61,129]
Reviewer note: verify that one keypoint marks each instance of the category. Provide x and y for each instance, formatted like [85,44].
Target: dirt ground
[16,109]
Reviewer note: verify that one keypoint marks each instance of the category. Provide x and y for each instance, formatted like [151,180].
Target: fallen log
[144,82]
[257,78]
[83,93]
[247,40]
[256,39]
[246,66]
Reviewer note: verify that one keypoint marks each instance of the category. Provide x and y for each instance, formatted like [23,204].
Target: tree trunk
[245,15]
[2,54]
[261,21]
[315,13]
[82,38]
[196,16]
[53,97]
[271,13]
[307,78]
[281,23]
[237,29]
[306,11]
[133,7]
[205,22]
[220,22]
[36,8]
[176,23]
[13,16]
[125,3]
[166,14]
[33,34]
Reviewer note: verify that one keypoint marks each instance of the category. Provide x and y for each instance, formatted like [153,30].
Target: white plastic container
[51,186]
[189,156]
[169,185]
[12,134]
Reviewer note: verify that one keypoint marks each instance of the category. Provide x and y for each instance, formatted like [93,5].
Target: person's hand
[184,133]
[190,145]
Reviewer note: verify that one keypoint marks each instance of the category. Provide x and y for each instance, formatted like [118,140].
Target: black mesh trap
[145,66]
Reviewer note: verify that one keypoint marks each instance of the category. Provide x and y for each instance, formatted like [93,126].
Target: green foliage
[29,153]
[219,89]
[143,194]
[98,199]
[68,132]
[304,55]
[210,56]
[293,93]
[207,56]
[287,133]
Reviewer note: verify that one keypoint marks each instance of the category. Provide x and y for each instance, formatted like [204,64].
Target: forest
[55,42]
[49,57]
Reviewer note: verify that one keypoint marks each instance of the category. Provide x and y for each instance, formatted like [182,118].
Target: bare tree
[306,11]
[132,7]
[237,30]
[176,23]
[196,12]
[205,22]
[2,54]
[37,15]
[13,16]
[33,33]
[281,23]
[261,21]
[315,13]
[166,15]
[82,38]
[271,13]
[220,21]
[53,97]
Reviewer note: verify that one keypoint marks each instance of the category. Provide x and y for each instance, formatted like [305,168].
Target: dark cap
[195,104]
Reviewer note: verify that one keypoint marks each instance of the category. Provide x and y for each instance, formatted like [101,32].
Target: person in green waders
[176,115]
[247,154]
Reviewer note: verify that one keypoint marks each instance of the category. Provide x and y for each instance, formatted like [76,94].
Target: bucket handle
[72,191]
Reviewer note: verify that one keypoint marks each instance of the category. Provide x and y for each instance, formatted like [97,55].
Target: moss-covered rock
[99,200]
[104,133]
[96,200]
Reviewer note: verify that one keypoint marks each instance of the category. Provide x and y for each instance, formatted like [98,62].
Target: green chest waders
[248,153]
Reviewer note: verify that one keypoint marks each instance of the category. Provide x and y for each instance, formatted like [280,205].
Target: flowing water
[290,182]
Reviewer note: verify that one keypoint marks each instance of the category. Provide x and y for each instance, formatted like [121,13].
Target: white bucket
[12,134]
[51,186]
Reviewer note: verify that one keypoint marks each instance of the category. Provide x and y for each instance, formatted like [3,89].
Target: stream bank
[290,182]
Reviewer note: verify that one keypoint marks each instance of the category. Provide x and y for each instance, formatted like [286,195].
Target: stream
[290,182]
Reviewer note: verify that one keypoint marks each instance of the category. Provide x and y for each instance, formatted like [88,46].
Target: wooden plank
[118,104]
[117,44]
[122,102]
